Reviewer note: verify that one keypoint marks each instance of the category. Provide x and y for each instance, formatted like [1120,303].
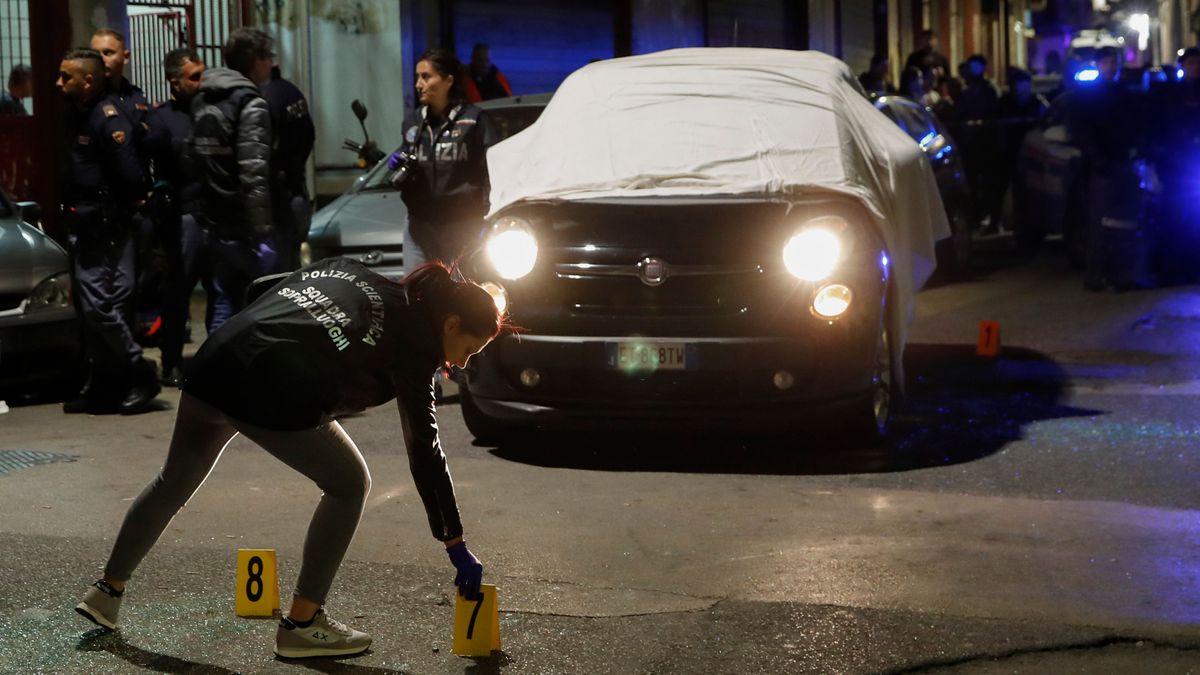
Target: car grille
[682,290]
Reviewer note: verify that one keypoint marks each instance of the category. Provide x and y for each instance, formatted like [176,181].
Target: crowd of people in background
[212,180]
[987,124]
[210,188]
[1120,126]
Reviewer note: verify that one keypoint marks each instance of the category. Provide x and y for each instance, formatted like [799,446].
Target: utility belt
[97,221]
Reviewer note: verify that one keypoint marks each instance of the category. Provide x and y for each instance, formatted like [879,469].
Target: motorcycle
[368,151]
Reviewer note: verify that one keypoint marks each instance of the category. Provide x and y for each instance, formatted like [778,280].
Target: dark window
[15,59]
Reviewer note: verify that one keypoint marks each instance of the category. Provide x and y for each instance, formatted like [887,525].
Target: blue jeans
[236,263]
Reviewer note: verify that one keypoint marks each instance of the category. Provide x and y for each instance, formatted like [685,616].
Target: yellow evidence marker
[257,592]
[477,623]
[989,338]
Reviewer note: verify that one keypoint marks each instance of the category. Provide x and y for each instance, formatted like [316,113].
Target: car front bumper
[40,346]
[767,382]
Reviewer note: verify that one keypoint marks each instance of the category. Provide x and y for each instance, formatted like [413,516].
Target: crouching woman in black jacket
[331,338]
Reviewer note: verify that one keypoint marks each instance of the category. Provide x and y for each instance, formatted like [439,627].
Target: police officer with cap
[177,208]
[294,138]
[103,182]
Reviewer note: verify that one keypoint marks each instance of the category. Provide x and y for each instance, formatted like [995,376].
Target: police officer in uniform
[177,207]
[294,138]
[441,168]
[128,98]
[103,181]
[131,102]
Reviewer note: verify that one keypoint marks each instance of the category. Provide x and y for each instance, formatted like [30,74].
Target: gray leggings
[324,454]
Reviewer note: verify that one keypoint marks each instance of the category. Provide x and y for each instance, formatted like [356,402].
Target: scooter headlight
[512,248]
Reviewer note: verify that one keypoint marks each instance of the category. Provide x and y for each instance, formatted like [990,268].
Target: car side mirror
[360,110]
[1057,134]
[30,212]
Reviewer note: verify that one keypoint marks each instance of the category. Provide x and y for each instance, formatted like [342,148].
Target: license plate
[652,355]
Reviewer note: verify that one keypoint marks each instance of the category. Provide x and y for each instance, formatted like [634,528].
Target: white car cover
[711,121]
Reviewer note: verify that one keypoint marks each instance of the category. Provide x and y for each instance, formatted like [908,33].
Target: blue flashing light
[1179,74]
[927,140]
[944,151]
[883,259]
[1087,75]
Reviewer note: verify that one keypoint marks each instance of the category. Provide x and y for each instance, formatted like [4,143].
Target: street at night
[854,337]
[1032,513]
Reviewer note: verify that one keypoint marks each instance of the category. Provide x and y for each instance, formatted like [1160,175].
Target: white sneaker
[100,605]
[323,637]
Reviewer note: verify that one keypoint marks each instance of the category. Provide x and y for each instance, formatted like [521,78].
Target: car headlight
[499,295]
[53,293]
[813,253]
[512,248]
[832,301]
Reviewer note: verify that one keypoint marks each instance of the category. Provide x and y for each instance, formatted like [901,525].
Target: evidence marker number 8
[257,590]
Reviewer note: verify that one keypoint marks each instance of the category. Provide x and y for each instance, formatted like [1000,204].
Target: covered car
[923,126]
[702,237]
[40,344]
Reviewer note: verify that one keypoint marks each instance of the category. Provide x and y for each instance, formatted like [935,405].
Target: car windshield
[508,120]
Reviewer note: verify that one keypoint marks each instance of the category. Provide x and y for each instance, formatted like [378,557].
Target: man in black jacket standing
[294,138]
[177,208]
[103,182]
[230,151]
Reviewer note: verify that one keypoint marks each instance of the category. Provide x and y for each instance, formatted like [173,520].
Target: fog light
[832,301]
[530,377]
[499,295]
[784,380]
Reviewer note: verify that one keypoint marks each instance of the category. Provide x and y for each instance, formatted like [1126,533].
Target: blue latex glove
[470,570]
[394,161]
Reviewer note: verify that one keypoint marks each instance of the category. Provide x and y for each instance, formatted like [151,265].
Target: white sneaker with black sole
[100,605]
[321,637]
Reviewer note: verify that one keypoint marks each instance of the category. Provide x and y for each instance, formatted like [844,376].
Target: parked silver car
[39,332]
[367,222]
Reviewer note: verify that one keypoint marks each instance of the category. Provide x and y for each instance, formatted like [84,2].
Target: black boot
[144,388]
[172,376]
[96,398]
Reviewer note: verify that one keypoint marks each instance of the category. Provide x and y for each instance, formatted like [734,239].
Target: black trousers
[104,275]
[189,261]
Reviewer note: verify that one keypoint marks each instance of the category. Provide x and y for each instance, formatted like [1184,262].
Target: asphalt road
[1033,513]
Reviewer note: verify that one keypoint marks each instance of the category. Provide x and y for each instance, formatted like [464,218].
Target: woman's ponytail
[431,287]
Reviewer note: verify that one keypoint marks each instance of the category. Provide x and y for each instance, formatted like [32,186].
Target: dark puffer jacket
[230,152]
